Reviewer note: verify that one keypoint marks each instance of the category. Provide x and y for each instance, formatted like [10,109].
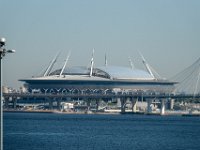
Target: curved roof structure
[110,72]
[116,72]
[76,70]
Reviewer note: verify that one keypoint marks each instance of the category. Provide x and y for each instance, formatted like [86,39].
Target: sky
[167,33]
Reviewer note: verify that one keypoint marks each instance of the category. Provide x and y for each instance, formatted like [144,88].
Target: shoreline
[56,111]
[102,113]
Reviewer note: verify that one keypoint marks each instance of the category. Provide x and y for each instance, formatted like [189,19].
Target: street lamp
[3,52]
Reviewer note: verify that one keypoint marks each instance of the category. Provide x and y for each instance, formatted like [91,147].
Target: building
[101,80]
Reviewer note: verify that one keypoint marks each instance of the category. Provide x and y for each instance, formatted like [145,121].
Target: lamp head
[2,41]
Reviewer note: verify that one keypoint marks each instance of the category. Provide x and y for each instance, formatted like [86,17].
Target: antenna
[147,65]
[51,65]
[61,72]
[92,63]
[106,62]
[131,63]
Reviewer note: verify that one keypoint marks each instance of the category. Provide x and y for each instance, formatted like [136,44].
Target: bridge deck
[94,95]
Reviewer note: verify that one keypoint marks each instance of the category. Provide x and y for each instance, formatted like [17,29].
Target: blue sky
[166,32]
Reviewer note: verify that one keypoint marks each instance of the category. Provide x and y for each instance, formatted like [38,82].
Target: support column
[50,103]
[134,104]
[171,104]
[14,102]
[119,103]
[6,102]
[142,98]
[162,109]
[149,101]
[97,105]
[58,104]
[123,105]
[88,104]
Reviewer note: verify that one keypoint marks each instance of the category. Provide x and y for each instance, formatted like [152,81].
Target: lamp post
[3,52]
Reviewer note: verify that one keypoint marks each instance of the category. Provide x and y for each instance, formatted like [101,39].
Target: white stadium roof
[112,72]
[117,72]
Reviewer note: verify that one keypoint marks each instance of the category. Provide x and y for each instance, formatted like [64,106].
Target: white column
[118,102]
[134,105]
[171,104]
[162,109]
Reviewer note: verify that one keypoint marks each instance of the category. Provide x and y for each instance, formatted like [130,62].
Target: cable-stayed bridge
[188,80]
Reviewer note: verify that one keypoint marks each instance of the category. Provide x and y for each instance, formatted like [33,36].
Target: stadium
[80,79]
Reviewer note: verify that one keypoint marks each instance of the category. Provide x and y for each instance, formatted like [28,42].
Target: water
[46,131]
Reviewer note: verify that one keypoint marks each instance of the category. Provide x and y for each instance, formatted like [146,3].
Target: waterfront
[49,131]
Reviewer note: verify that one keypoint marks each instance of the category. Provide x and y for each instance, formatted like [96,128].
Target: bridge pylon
[188,80]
